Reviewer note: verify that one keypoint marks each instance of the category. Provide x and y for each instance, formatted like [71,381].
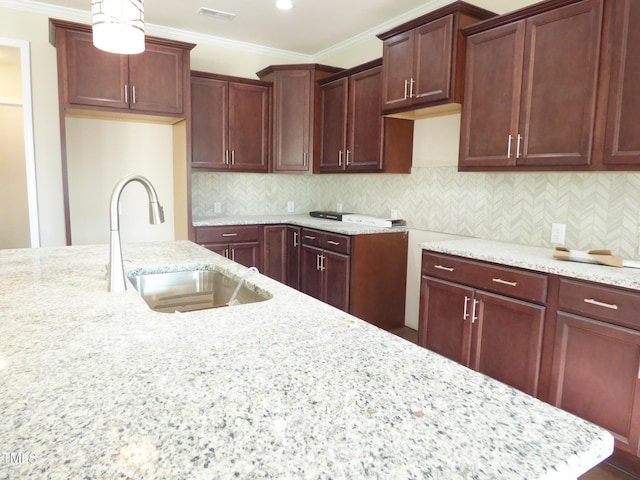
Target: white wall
[99,153]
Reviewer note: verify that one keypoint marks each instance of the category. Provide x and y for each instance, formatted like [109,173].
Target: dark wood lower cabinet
[293,257]
[364,275]
[495,335]
[443,327]
[572,343]
[595,376]
[506,341]
[246,253]
[325,275]
[275,249]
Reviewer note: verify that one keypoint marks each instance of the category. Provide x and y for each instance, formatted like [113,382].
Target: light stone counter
[537,259]
[95,385]
[334,226]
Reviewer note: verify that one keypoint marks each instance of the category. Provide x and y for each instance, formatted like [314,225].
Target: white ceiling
[309,28]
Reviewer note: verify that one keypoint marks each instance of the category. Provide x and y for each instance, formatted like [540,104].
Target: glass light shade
[284,4]
[118,25]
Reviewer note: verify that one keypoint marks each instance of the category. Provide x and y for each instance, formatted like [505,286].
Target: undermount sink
[189,290]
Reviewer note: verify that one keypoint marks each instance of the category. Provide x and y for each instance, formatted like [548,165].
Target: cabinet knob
[339,158]
[348,153]
[518,146]
[509,140]
[412,82]
[504,282]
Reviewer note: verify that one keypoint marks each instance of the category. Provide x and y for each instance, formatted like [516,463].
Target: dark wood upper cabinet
[617,137]
[354,136]
[422,58]
[530,90]
[153,82]
[296,114]
[230,123]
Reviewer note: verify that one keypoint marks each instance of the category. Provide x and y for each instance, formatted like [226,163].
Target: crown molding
[80,16]
[367,35]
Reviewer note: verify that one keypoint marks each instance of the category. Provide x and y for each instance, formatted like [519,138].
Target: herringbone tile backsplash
[601,210]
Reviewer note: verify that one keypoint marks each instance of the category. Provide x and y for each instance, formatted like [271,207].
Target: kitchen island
[96,385]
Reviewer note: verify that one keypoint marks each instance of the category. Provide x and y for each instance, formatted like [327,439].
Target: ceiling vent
[210,12]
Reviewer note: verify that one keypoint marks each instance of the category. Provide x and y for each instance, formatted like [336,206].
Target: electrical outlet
[339,207]
[558,231]
[290,206]
[394,213]
[217,207]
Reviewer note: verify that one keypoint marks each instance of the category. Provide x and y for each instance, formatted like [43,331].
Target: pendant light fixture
[118,25]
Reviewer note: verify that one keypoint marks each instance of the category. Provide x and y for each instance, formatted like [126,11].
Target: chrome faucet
[156,215]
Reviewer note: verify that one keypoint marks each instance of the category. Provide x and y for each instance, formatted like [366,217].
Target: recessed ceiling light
[210,12]
[284,4]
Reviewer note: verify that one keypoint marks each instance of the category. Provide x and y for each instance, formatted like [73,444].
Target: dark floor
[604,471]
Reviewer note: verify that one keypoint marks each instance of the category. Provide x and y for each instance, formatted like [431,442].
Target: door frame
[29,144]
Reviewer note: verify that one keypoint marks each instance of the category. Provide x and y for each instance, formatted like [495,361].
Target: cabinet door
[292,94]
[333,125]
[220,249]
[293,257]
[595,376]
[274,258]
[507,341]
[445,319]
[365,123]
[249,127]
[156,79]
[622,142]
[209,105]
[559,85]
[247,254]
[336,279]
[491,109]
[397,70]
[95,77]
[310,273]
[433,61]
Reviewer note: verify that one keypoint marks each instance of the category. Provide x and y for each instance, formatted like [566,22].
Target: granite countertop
[535,258]
[96,385]
[334,226]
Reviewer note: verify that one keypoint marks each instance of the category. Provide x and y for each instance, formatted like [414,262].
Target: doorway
[19,226]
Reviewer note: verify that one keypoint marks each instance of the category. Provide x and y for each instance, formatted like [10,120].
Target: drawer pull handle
[442,267]
[229,234]
[465,314]
[591,301]
[309,237]
[505,282]
[331,242]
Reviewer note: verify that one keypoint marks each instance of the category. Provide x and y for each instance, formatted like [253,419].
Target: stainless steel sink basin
[190,290]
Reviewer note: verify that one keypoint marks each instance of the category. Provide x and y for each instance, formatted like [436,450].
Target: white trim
[367,35]
[29,145]
[81,16]
[10,101]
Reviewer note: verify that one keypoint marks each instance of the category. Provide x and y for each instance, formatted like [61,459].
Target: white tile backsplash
[601,210]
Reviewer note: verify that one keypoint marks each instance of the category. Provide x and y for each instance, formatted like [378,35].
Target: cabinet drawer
[329,241]
[228,234]
[597,301]
[507,281]
[337,243]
